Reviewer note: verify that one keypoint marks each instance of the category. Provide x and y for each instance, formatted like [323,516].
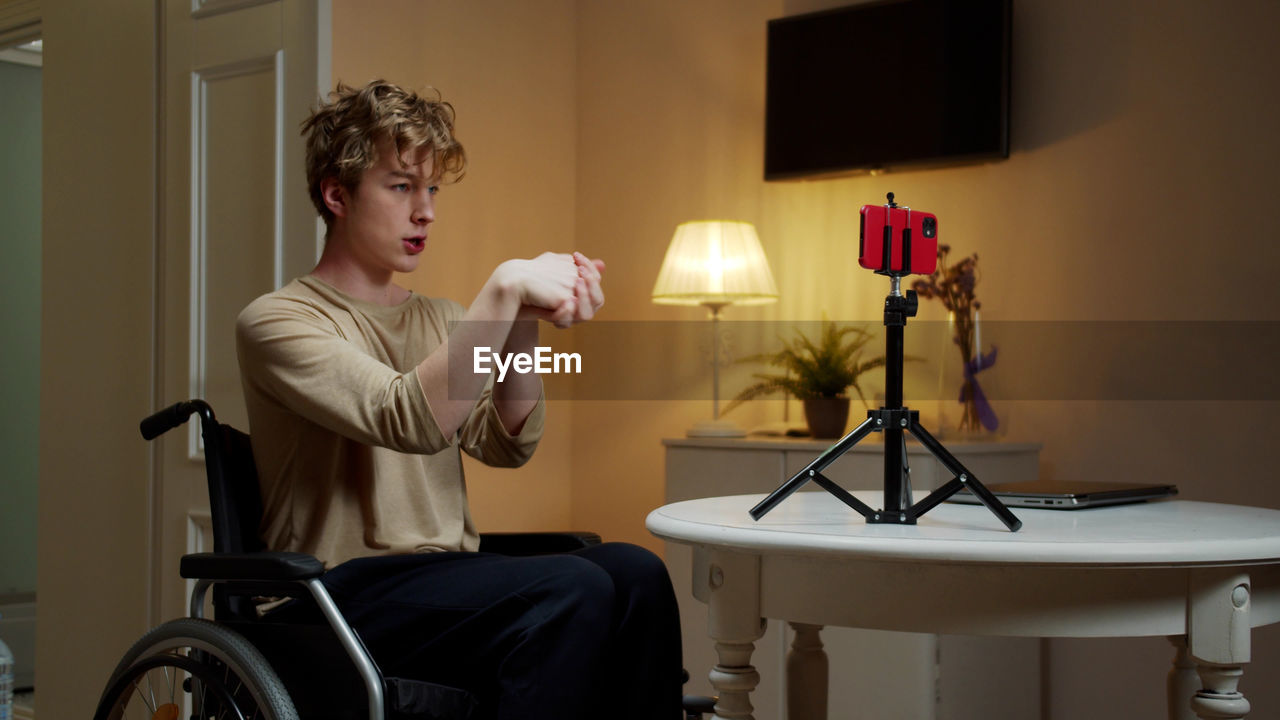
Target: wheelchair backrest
[235,501]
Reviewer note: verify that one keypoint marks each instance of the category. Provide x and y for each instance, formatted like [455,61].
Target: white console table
[875,673]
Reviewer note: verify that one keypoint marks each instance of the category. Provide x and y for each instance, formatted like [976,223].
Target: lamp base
[715,428]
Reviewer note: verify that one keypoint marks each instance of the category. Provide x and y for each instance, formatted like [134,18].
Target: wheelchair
[245,666]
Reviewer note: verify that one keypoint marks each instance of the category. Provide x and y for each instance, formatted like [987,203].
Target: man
[358,424]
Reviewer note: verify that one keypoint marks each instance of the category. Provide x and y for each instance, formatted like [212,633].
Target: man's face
[388,214]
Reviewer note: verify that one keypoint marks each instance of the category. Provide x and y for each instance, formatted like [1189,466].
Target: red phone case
[924,250]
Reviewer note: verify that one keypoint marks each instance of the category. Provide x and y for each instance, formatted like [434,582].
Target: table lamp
[715,263]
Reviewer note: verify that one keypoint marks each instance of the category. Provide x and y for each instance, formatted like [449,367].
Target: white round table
[1202,574]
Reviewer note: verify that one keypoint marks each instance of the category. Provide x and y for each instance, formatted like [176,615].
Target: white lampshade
[715,262]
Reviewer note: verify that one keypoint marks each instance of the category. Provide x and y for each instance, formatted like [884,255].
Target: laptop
[1068,494]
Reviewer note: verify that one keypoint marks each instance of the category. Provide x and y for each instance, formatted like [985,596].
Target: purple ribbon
[986,415]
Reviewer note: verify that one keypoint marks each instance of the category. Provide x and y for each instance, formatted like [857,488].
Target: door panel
[238,79]
[238,228]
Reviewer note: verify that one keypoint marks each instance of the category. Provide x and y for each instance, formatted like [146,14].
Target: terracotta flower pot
[826,416]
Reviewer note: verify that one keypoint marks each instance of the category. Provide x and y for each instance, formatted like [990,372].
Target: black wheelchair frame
[242,662]
[242,569]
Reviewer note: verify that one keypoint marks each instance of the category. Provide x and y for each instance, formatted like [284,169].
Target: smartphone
[888,231]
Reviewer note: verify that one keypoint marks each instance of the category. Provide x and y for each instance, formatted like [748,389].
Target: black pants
[556,636]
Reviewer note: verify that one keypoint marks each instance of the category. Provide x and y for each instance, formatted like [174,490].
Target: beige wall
[670,129]
[93,544]
[1143,155]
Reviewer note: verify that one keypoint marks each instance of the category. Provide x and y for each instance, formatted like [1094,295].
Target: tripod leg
[963,478]
[812,469]
[845,496]
[936,497]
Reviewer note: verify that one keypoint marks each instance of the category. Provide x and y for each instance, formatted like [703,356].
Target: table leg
[734,622]
[734,677]
[1218,640]
[1183,681]
[806,674]
[1219,699]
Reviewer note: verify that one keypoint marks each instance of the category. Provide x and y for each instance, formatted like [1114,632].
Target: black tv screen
[885,84]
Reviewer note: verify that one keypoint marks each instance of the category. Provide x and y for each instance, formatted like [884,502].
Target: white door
[239,76]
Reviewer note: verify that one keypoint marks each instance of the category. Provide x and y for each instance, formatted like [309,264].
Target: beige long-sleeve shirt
[350,459]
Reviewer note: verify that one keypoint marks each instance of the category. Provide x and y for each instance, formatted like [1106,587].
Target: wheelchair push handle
[171,417]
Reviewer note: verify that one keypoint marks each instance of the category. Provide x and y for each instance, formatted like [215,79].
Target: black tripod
[893,420]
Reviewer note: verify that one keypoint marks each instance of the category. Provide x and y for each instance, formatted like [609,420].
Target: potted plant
[819,374]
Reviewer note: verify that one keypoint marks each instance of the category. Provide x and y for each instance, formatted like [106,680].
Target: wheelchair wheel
[192,668]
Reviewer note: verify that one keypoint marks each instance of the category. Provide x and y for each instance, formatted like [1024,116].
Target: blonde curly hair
[343,134]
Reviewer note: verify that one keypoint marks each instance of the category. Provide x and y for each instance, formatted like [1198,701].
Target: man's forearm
[452,396]
[518,393]
[505,313]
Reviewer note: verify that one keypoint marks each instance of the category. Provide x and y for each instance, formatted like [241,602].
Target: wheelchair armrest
[541,543]
[269,566]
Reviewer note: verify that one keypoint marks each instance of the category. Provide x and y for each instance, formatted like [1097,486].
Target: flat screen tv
[898,83]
